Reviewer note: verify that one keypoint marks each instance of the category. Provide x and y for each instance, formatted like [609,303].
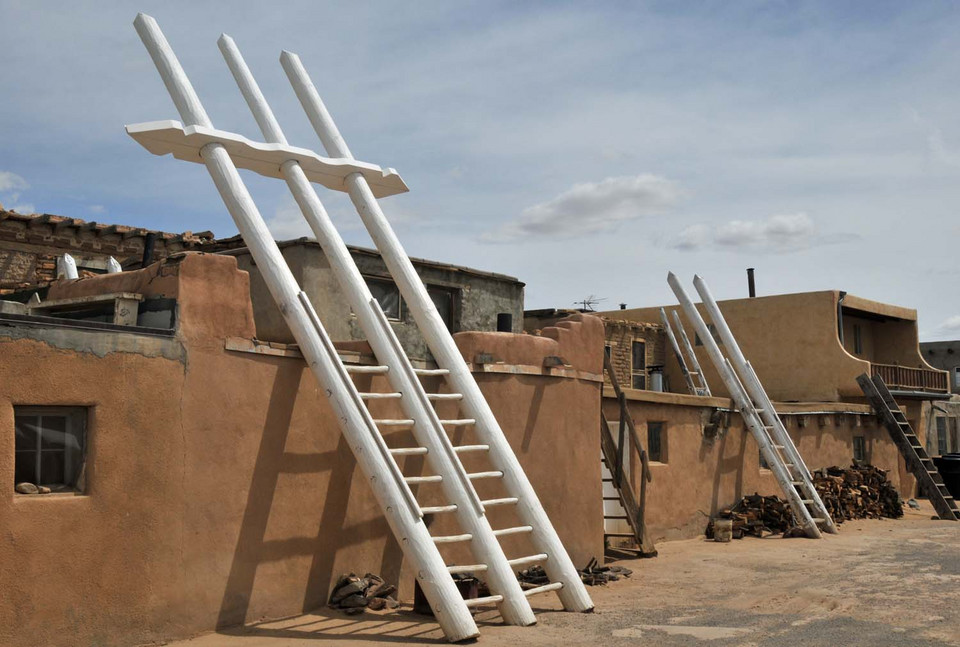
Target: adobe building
[199,477]
[466,299]
[794,343]
[31,243]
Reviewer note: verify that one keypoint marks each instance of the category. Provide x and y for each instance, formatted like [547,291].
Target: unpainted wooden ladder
[222,152]
[917,460]
[613,454]
[757,411]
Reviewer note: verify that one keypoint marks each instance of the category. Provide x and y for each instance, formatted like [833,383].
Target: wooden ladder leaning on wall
[613,454]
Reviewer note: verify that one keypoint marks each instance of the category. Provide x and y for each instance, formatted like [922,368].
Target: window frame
[857,339]
[660,429]
[860,448]
[386,281]
[642,372]
[941,435]
[73,416]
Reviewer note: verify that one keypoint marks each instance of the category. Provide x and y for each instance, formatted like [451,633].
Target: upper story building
[944,355]
[811,346]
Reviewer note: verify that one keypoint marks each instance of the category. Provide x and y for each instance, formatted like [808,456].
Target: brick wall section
[620,336]
[30,245]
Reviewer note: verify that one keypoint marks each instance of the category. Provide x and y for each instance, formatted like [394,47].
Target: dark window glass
[443,299]
[763,462]
[859,448]
[638,358]
[941,436]
[388,296]
[857,339]
[656,443]
[49,446]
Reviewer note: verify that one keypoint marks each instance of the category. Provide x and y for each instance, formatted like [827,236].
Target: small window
[443,299]
[713,333]
[608,350]
[857,339]
[50,446]
[764,465]
[388,296]
[941,435]
[859,448]
[638,366]
[656,442]
[954,440]
[956,378]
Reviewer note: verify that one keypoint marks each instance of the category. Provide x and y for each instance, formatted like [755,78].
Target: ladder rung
[445,396]
[510,500]
[438,509]
[523,561]
[490,599]
[552,586]
[449,539]
[435,478]
[611,498]
[381,396]
[394,422]
[408,451]
[463,449]
[467,568]
[779,447]
[619,516]
[459,421]
[619,534]
[358,368]
[431,371]
[513,531]
[806,501]
[485,475]
[818,519]
[796,482]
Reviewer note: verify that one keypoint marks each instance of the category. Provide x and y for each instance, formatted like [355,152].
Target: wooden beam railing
[914,379]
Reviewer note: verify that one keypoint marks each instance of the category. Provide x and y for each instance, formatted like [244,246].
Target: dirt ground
[877,583]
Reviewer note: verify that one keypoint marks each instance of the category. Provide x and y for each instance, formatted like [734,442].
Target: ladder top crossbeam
[170,137]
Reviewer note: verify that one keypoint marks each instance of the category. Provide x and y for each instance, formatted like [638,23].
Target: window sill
[52,495]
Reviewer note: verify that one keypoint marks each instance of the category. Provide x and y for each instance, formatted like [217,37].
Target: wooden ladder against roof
[612,456]
[696,382]
[918,461]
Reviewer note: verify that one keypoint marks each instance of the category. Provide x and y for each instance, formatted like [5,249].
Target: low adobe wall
[219,488]
[700,476]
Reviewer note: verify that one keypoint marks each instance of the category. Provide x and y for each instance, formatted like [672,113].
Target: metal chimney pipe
[751,285]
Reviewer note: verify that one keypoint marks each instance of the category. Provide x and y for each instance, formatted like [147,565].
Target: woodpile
[857,492]
[353,594]
[592,575]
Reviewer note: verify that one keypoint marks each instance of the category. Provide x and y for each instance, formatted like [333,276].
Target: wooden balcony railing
[911,379]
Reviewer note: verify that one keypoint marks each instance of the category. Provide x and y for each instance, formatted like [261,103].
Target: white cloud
[591,207]
[950,326]
[12,182]
[780,232]
[97,209]
[24,208]
[288,223]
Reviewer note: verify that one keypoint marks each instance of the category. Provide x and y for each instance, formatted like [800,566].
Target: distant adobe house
[30,245]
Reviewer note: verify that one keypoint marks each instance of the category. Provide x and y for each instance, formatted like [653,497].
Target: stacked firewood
[755,515]
[353,594]
[593,574]
[858,492]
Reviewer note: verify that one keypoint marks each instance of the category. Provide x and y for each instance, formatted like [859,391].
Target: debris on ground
[593,574]
[857,492]
[353,594]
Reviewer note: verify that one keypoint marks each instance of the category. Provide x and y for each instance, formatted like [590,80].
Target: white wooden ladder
[757,411]
[693,375]
[222,153]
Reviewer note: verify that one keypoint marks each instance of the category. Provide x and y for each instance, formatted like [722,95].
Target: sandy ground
[877,583]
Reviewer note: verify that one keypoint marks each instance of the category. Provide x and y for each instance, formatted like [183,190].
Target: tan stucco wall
[702,476]
[219,488]
[791,340]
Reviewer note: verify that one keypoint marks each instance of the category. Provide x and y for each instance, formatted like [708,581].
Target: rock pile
[353,594]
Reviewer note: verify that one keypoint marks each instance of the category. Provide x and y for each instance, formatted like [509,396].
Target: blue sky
[586,148]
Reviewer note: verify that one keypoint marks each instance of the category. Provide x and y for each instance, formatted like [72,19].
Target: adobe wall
[701,476]
[219,488]
[791,341]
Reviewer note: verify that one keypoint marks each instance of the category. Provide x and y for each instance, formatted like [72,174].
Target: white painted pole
[558,566]
[747,411]
[694,362]
[401,510]
[677,352]
[428,430]
[758,394]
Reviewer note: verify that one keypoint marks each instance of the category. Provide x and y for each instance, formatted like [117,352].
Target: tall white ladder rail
[789,474]
[782,443]
[427,428]
[400,508]
[544,538]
